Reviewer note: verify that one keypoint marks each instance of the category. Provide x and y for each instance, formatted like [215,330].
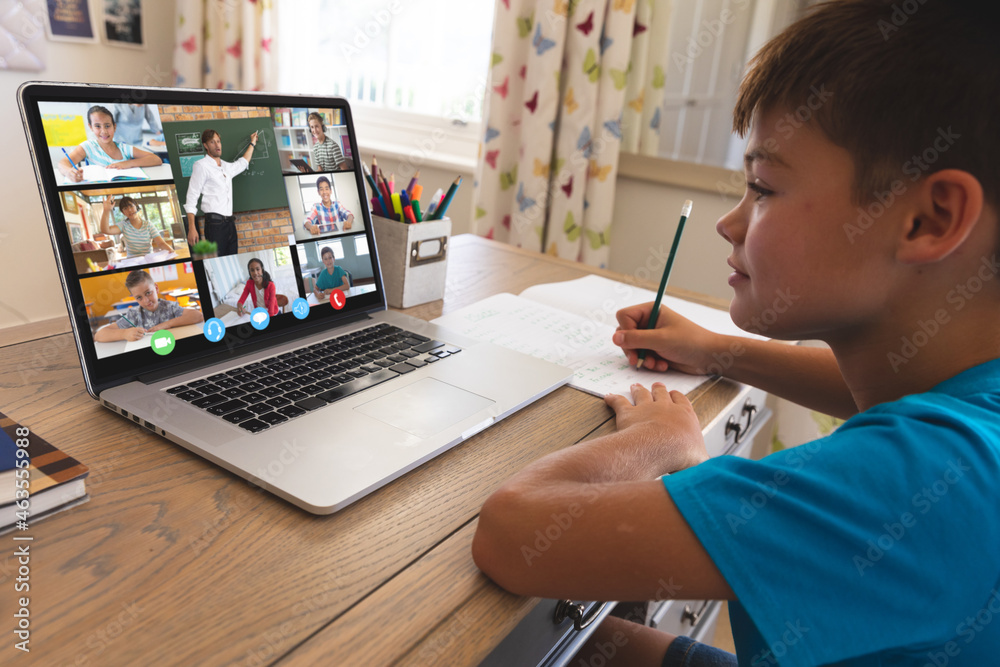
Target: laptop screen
[189,224]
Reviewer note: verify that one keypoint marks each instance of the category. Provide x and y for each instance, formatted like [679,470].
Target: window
[336,245]
[360,245]
[412,65]
[282,256]
[709,43]
[425,56]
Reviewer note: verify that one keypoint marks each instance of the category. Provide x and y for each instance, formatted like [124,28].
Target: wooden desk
[175,561]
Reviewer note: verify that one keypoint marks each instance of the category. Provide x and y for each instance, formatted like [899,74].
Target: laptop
[313,390]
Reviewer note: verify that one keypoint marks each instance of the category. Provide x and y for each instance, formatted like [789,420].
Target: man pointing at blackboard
[212,181]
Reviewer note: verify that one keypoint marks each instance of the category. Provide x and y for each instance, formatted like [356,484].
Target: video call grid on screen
[116,165]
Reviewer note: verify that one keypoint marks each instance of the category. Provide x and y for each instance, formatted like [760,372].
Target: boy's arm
[161,244]
[553,529]
[311,220]
[804,375]
[189,316]
[112,332]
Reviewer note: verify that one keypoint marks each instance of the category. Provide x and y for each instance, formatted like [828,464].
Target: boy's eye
[758,190]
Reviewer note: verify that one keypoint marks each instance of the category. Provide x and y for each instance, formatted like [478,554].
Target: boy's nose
[731,226]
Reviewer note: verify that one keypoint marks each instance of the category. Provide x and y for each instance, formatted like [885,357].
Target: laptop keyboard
[272,391]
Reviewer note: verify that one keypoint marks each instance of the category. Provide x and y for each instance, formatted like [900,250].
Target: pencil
[655,313]
[442,208]
[69,158]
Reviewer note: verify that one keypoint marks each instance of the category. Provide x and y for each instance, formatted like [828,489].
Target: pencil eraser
[686,209]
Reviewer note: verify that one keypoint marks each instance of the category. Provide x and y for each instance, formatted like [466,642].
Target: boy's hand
[134,333]
[108,203]
[676,343]
[664,419]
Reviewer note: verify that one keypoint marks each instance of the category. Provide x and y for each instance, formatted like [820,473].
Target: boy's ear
[948,204]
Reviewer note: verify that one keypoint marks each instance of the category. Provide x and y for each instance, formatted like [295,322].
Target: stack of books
[55,480]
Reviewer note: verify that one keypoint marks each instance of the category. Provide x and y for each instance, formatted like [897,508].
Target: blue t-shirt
[877,545]
[325,280]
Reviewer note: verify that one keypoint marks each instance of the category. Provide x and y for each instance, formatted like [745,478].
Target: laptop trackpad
[425,407]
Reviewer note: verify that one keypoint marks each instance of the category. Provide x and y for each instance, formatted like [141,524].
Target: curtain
[562,76]
[225,44]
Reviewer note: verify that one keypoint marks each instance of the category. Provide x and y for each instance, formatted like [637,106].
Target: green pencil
[651,324]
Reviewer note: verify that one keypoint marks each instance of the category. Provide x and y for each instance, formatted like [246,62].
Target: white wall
[645,219]
[27,266]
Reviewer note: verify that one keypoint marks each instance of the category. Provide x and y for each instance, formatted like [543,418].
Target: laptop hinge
[210,360]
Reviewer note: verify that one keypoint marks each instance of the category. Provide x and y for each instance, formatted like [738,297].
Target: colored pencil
[654,315]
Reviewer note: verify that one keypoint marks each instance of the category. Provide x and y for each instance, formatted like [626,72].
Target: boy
[871,205]
[326,213]
[149,316]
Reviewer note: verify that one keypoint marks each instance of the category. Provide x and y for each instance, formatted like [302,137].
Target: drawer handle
[693,616]
[749,410]
[566,609]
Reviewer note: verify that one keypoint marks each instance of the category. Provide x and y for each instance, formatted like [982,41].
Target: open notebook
[571,323]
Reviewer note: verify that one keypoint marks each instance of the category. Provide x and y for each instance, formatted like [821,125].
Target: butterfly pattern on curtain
[562,75]
[225,44]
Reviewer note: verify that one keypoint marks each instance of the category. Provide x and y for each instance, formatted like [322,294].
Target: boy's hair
[325,250]
[323,179]
[907,87]
[207,135]
[138,277]
[318,117]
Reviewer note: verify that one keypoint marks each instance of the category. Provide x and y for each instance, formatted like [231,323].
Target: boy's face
[146,294]
[324,192]
[797,273]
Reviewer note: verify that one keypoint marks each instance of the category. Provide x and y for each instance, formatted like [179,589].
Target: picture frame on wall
[70,21]
[76,234]
[69,203]
[123,24]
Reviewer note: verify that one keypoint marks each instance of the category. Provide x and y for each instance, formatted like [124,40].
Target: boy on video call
[149,316]
[870,217]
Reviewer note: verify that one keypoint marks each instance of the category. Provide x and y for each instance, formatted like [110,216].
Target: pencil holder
[414,259]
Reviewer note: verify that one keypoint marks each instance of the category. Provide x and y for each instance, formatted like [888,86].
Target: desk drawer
[694,618]
[539,641]
[738,423]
